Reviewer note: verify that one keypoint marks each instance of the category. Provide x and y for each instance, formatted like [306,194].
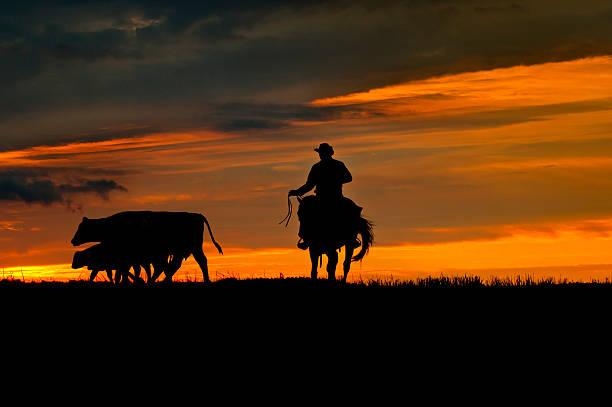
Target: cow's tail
[211,235]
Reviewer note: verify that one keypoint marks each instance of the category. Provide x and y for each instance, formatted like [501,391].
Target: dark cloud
[71,67]
[501,8]
[18,186]
[100,187]
[30,186]
[92,46]
[241,116]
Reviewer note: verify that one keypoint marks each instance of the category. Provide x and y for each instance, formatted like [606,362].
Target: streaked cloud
[70,70]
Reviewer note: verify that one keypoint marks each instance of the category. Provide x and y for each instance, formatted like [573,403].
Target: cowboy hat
[324,148]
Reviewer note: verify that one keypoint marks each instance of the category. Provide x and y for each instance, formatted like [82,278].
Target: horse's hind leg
[332,262]
[348,255]
[314,258]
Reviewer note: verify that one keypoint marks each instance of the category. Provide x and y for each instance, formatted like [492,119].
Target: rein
[288,217]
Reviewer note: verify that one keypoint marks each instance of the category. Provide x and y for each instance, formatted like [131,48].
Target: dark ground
[453,300]
[440,338]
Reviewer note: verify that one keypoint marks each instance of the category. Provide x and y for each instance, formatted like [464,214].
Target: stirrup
[302,244]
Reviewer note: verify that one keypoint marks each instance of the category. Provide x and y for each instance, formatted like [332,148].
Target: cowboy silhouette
[326,177]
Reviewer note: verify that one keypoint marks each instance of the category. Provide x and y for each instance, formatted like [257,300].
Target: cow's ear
[85,218]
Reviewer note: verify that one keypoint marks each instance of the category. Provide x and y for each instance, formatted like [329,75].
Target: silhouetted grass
[430,282]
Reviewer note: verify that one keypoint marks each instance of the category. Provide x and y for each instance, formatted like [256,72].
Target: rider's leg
[302,244]
[304,234]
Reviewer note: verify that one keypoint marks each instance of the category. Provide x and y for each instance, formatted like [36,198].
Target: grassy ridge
[431,317]
[434,292]
[427,282]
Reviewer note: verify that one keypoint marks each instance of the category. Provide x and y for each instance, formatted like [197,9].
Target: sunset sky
[478,132]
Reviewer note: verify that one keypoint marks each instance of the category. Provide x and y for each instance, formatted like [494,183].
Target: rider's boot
[302,244]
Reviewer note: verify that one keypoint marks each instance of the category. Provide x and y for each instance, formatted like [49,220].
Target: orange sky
[497,172]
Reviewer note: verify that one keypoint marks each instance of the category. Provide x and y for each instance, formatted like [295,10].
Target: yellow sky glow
[568,255]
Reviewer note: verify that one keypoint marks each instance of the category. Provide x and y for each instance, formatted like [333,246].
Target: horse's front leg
[348,255]
[314,258]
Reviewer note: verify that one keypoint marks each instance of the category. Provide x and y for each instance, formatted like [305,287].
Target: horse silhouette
[330,232]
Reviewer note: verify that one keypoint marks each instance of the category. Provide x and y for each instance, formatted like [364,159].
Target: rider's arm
[346,175]
[307,187]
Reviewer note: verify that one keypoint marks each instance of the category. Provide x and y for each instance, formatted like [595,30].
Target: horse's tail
[211,235]
[365,229]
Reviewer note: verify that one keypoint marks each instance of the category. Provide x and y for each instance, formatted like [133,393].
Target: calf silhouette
[101,257]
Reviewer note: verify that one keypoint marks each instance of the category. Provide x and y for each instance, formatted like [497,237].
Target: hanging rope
[288,217]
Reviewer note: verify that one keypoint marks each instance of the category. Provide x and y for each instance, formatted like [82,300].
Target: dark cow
[159,234]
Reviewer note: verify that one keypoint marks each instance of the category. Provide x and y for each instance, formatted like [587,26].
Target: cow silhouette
[151,235]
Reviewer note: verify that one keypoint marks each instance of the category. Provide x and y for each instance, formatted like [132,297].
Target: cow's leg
[147,268]
[137,271]
[332,262]
[172,267]
[158,268]
[348,255]
[118,275]
[314,258]
[199,256]
[123,273]
[126,275]
[109,274]
[136,276]
[93,275]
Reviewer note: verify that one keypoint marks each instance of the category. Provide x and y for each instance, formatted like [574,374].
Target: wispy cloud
[11,225]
